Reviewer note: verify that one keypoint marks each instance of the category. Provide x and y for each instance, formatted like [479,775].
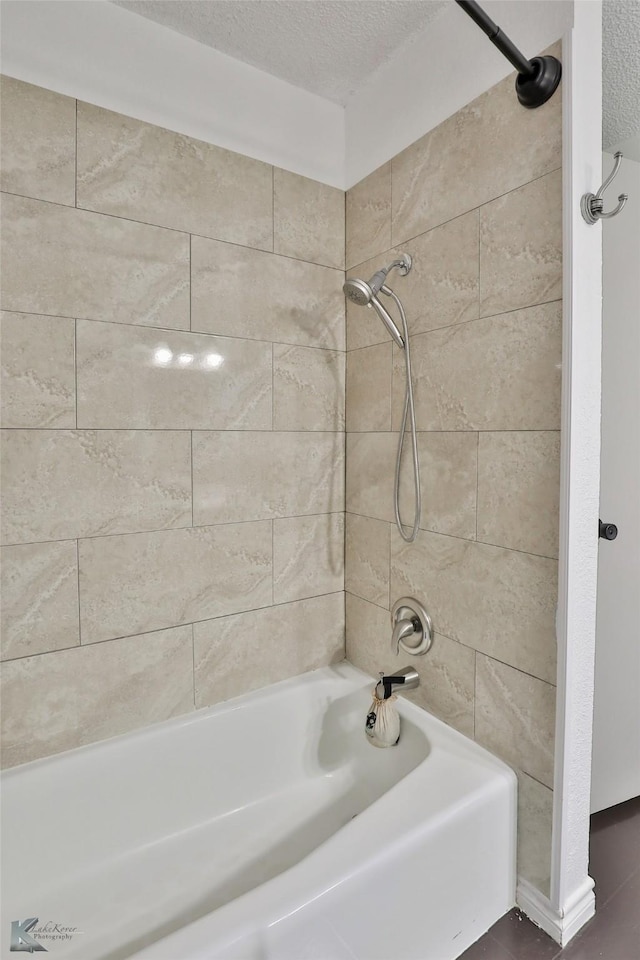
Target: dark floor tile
[614,849]
[523,939]
[614,932]
[486,948]
[622,812]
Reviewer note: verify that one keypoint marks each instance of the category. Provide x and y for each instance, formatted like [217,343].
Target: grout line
[193,664]
[75,173]
[248,430]
[479,297]
[196,526]
[175,626]
[460,323]
[75,369]
[273,208]
[416,236]
[475,690]
[273,589]
[452,536]
[178,330]
[477,478]
[78,582]
[184,233]
[190,284]
[191,462]
[273,387]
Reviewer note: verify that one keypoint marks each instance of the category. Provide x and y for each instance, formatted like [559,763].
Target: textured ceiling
[620,71]
[329,47]
[332,47]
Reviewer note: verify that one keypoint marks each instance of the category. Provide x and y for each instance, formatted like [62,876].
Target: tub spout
[407,678]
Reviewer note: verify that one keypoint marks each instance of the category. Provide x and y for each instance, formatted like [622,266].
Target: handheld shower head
[364,294]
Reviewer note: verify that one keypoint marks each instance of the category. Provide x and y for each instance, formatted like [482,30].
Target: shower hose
[409,410]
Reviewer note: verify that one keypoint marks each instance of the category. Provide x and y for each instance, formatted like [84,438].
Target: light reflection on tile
[129,377]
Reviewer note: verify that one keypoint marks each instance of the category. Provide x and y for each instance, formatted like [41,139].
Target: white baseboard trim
[561,925]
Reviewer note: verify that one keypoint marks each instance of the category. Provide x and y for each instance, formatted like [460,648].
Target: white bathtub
[266,827]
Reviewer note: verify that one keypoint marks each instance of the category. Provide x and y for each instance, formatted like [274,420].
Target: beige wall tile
[39,598]
[62,700]
[494,600]
[498,373]
[77,264]
[308,219]
[519,490]
[371,461]
[308,556]
[535,821]
[515,717]
[236,654]
[368,216]
[60,484]
[137,170]
[308,388]
[38,371]
[239,292]
[253,476]
[369,388]
[470,159]
[128,584]
[368,631]
[131,377]
[448,481]
[367,558]
[442,286]
[521,247]
[447,677]
[38,142]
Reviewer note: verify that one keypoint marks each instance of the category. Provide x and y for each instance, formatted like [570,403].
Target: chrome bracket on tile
[411,626]
[592,204]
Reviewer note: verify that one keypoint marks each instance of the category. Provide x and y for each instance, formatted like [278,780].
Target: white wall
[116,59]
[444,68]
[616,720]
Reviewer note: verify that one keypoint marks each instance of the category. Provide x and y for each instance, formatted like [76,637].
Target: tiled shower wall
[477,203]
[173,405]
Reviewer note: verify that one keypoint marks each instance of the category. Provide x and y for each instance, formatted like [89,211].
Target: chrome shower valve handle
[412,627]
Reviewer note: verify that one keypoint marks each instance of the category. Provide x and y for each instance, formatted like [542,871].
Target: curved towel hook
[592,205]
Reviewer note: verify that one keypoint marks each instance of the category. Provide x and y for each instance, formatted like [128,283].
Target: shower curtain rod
[537,79]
